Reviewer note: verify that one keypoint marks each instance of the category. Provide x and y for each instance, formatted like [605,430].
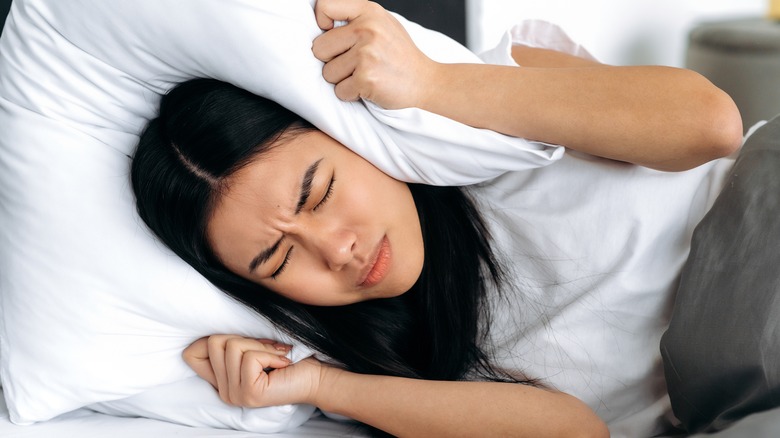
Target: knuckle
[251,355]
[367,34]
[246,400]
[231,343]
[215,341]
[374,8]
[368,56]
[188,352]
[225,398]
[368,82]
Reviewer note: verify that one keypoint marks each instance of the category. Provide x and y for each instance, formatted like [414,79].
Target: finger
[333,43]
[269,345]
[340,68]
[328,11]
[235,350]
[347,90]
[197,357]
[217,345]
[254,376]
[198,350]
[279,346]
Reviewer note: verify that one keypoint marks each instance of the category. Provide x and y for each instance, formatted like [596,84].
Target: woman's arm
[237,367]
[660,117]
[410,407]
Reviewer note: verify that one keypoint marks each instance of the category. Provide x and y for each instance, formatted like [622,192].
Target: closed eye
[327,195]
[281,267]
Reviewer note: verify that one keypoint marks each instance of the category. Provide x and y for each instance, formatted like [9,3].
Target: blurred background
[622,32]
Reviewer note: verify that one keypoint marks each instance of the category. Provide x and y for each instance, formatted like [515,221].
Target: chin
[397,293]
[397,290]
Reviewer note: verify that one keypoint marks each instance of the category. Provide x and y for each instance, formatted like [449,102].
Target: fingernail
[283,347]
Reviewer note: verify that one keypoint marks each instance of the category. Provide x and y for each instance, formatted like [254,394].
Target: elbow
[601,431]
[710,125]
[594,428]
[727,131]
[584,423]
[720,125]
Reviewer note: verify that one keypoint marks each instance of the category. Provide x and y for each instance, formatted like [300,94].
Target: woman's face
[315,222]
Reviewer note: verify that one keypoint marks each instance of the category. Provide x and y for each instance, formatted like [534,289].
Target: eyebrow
[303,198]
[308,179]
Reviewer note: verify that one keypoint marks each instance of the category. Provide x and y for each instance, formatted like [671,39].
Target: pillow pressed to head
[93,307]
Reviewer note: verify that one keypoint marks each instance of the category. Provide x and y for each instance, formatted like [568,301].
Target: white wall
[620,32]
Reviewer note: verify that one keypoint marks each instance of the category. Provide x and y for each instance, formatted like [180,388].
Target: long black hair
[207,130]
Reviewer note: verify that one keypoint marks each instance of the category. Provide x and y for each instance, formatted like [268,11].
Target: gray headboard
[5,5]
[445,16]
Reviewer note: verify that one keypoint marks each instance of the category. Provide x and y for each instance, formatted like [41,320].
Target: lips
[379,265]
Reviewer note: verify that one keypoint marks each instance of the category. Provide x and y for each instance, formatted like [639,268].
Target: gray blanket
[722,350]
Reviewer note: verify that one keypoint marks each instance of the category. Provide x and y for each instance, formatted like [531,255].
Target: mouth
[379,265]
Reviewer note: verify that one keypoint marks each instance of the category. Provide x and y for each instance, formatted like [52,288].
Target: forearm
[537,57]
[409,407]
[660,117]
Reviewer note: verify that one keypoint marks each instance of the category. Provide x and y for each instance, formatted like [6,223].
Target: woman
[396,282]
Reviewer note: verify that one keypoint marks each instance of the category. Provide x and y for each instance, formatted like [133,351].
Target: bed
[88,424]
[85,423]
[54,113]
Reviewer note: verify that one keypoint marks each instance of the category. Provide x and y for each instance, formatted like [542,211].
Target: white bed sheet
[85,423]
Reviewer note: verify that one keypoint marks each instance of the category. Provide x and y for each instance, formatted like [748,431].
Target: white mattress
[84,423]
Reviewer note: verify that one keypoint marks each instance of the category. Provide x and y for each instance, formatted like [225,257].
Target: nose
[336,247]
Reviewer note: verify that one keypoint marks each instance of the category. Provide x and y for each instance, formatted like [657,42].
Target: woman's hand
[253,373]
[372,56]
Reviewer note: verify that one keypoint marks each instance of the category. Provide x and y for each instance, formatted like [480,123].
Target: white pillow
[93,307]
[194,402]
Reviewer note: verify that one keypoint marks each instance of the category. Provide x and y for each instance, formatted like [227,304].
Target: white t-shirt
[594,248]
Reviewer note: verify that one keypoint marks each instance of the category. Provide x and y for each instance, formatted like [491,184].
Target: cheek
[305,285]
[360,192]
[373,194]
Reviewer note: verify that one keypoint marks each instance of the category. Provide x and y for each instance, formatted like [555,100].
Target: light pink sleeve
[534,33]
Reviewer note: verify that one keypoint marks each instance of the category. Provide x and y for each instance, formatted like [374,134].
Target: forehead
[260,196]
[275,174]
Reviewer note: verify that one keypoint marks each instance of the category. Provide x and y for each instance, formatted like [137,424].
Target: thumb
[334,13]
